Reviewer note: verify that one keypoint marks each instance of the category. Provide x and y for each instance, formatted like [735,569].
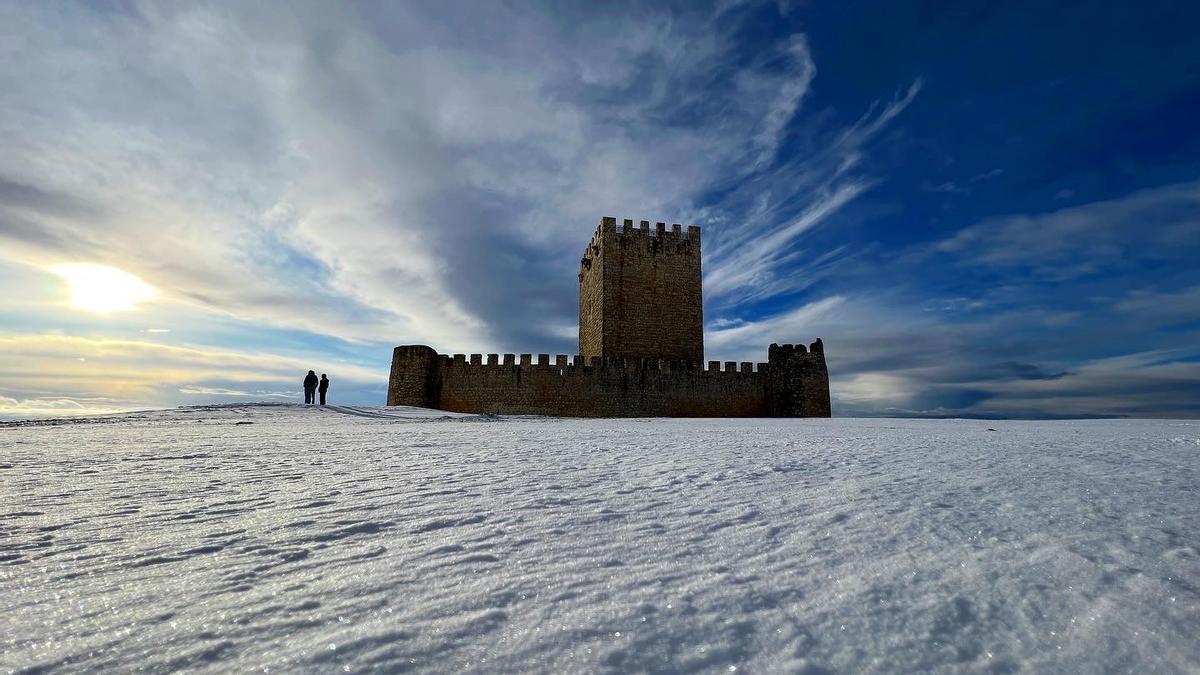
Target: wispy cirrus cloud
[369,174]
[318,179]
[1152,224]
[755,259]
[746,341]
[1061,341]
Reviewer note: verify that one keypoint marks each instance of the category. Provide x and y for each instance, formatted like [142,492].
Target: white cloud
[1155,383]
[1153,309]
[748,341]
[380,177]
[50,406]
[1153,224]
[756,258]
[786,97]
[194,390]
[124,374]
[874,390]
[752,262]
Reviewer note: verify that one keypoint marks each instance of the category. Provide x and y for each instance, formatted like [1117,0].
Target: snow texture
[282,538]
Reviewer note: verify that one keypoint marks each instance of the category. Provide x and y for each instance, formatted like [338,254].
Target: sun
[103,289]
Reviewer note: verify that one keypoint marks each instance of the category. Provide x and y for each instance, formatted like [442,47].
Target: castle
[641,349]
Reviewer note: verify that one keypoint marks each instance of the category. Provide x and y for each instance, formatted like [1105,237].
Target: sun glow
[100,288]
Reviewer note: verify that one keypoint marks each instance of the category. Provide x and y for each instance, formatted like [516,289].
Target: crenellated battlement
[774,350]
[641,349]
[639,291]
[641,240]
[575,363]
[655,237]
[791,383]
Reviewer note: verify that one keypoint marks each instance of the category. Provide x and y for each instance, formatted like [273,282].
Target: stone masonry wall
[596,387]
[799,384]
[641,343]
[409,382]
[591,292]
[640,293]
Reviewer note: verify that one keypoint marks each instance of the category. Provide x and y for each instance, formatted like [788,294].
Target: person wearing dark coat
[310,387]
[323,387]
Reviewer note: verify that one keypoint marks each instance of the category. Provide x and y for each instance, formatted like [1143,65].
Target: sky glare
[983,209]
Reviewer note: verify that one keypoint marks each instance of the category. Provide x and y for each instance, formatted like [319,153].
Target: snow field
[283,538]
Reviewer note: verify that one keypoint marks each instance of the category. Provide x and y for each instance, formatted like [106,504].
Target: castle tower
[641,350]
[639,293]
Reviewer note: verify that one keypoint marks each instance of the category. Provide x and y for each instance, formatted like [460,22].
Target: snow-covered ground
[282,538]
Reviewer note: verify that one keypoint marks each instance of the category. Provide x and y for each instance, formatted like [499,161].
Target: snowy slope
[280,538]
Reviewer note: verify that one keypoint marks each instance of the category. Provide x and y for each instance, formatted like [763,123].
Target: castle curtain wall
[595,387]
[641,343]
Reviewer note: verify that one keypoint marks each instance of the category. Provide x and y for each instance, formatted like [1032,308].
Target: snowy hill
[281,538]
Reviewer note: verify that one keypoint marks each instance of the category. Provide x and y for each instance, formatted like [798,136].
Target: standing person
[310,387]
[324,387]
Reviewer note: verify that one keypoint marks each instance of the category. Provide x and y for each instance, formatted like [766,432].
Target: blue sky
[984,209]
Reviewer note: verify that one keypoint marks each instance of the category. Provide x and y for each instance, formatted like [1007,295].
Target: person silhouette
[310,387]
[323,387]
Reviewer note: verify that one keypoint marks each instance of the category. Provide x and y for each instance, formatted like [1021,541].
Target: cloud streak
[1155,224]
[335,179]
[121,374]
[370,176]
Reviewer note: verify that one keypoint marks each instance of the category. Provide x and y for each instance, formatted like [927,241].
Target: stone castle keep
[641,350]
